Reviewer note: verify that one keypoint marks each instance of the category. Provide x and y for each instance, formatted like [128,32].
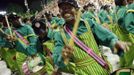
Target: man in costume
[83,64]
[22,38]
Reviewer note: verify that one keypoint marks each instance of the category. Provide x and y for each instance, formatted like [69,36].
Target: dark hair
[88,5]
[71,2]
[105,7]
[13,16]
[119,2]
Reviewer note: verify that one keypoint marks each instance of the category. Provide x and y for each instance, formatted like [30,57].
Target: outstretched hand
[120,45]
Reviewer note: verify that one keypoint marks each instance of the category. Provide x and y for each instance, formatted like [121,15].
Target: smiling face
[68,12]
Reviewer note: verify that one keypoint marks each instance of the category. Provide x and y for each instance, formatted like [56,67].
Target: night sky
[4,3]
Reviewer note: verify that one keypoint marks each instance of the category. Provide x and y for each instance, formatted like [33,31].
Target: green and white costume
[84,64]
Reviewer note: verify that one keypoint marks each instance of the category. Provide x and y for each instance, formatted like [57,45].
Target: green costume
[8,55]
[20,58]
[103,16]
[127,60]
[27,32]
[49,67]
[91,15]
[126,22]
[88,14]
[85,65]
[124,30]
[57,21]
[49,44]
[125,19]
